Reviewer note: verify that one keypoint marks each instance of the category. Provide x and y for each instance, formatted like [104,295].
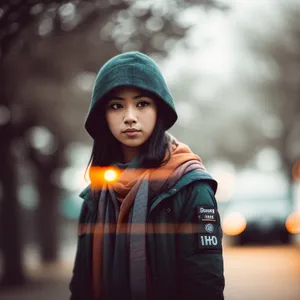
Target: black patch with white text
[209,232]
[206,213]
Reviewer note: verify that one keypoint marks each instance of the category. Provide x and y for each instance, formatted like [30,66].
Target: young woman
[149,226]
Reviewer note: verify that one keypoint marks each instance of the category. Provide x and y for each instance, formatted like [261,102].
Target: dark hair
[107,149]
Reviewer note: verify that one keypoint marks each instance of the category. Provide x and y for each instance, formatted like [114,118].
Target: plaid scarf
[119,242]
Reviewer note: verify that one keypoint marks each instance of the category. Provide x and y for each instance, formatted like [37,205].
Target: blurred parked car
[260,220]
[260,212]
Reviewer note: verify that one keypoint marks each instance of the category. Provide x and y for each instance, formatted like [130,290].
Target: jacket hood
[130,69]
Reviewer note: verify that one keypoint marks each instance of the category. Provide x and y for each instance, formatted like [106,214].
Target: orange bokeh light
[101,175]
[110,175]
[292,223]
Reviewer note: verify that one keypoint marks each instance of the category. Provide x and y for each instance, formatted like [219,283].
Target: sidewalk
[45,282]
[43,290]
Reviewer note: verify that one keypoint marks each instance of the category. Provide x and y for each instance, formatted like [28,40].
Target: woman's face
[131,116]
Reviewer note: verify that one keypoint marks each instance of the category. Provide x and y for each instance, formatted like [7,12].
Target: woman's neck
[129,153]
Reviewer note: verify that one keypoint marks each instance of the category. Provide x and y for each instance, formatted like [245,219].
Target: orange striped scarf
[182,161]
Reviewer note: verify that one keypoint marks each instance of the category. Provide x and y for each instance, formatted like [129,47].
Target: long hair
[107,149]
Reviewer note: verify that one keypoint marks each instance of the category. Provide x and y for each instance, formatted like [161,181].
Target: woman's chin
[133,144]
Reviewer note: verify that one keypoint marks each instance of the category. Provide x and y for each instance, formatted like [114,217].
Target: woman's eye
[115,106]
[143,104]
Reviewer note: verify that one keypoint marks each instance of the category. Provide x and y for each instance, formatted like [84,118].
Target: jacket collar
[188,178]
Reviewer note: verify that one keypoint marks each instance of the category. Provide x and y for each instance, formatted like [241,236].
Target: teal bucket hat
[130,69]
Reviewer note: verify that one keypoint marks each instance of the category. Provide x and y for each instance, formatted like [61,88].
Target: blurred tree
[44,44]
[219,115]
[256,103]
[276,54]
[10,237]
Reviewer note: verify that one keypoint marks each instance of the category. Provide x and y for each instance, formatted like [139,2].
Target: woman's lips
[132,133]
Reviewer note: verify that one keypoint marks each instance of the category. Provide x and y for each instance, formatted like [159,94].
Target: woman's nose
[130,116]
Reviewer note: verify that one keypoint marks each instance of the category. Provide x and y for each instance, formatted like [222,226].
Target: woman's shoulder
[197,180]
[86,193]
[200,191]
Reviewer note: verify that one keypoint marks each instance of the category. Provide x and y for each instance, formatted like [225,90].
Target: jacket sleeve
[78,284]
[199,245]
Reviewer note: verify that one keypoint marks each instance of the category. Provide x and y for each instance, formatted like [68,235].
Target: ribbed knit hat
[130,69]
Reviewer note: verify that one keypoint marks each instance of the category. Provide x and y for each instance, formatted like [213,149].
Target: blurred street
[262,272]
[251,272]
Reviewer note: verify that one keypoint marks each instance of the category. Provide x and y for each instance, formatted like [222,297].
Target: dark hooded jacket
[184,264]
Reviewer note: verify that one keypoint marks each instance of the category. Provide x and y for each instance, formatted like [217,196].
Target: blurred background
[233,67]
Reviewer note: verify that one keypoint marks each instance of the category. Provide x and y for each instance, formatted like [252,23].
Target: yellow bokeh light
[234,224]
[110,175]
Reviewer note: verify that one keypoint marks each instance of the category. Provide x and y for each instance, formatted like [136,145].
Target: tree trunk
[48,219]
[10,220]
